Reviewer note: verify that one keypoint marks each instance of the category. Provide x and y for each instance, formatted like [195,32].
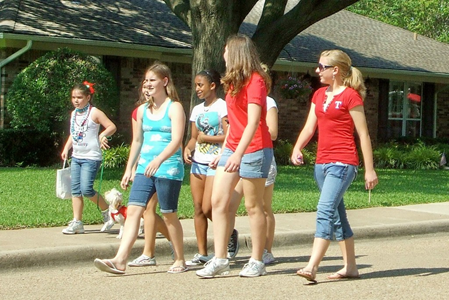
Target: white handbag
[63,182]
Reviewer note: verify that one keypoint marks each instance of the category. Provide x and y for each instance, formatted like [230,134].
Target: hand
[233,163]
[104,142]
[371,179]
[64,155]
[214,163]
[187,156]
[200,137]
[152,167]
[125,180]
[297,157]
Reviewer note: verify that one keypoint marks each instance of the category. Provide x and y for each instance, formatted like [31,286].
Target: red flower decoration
[90,86]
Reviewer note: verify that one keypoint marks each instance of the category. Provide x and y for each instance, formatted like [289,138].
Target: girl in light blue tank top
[157,135]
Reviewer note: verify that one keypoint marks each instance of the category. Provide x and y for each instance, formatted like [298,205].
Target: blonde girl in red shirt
[336,110]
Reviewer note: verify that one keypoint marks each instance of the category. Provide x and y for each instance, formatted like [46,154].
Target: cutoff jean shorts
[83,173]
[202,169]
[143,188]
[253,165]
[333,180]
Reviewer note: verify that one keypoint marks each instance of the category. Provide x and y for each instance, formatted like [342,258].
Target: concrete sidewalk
[48,246]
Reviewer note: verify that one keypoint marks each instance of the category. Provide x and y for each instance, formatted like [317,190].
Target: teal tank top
[157,134]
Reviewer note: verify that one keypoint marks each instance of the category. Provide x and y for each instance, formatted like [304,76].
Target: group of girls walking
[231,155]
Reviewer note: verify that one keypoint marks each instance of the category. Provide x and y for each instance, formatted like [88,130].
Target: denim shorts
[253,165]
[83,173]
[333,180]
[272,173]
[143,188]
[201,169]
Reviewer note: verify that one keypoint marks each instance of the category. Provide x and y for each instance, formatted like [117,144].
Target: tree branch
[181,8]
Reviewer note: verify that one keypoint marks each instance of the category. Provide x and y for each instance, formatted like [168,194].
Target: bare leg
[223,187]
[236,198]
[319,249]
[150,218]
[348,251]
[77,206]
[130,231]
[101,203]
[271,222]
[176,235]
[253,189]
[197,185]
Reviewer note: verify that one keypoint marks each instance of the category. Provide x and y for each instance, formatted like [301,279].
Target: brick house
[407,79]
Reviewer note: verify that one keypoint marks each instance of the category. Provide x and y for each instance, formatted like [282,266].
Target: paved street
[406,267]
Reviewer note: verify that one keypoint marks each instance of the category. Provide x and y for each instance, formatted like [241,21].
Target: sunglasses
[323,68]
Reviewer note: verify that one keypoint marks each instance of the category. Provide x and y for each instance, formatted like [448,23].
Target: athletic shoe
[74,227]
[253,268]
[267,257]
[143,261]
[213,267]
[233,244]
[199,259]
[105,215]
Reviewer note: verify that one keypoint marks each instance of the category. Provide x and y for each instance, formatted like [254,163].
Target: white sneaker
[267,257]
[199,259]
[74,227]
[143,261]
[213,267]
[253,268]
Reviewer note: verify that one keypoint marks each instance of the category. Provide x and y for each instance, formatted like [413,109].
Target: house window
[404,109]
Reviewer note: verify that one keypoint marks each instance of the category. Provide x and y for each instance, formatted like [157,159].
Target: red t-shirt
[254,92]
[134,114]
[336,128]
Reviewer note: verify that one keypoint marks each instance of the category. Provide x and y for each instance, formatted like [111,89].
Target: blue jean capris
[333,180]
[83,173]
[143,188]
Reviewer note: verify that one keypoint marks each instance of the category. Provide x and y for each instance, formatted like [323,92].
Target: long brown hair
[162,71]
[242,61]
[351,76]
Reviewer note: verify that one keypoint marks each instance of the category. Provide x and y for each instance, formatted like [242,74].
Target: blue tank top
[157,134]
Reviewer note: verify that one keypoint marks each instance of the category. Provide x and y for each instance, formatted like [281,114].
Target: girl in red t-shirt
[247,154]
[336,110]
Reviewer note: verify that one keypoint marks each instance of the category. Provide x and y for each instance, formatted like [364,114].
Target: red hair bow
[90,86]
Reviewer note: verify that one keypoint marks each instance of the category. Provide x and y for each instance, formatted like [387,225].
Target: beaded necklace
[78,131]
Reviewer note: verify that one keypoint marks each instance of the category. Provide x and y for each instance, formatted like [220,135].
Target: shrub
[18,148]
[116,157]
[39,97]
[282,152]
[422,157]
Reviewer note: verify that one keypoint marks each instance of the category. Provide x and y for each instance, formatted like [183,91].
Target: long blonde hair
[351,76]
[163,71]
[242,61]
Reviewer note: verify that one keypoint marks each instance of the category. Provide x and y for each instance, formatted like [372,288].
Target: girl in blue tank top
[157,144]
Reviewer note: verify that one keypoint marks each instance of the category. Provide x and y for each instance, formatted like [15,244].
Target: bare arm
[272,122]
[177,117]
[358,116]
[188,149]
[109,127]
[134,150]
[305,136]
[67,147]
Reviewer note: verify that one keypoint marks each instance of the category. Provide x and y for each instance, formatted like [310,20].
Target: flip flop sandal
[107,266]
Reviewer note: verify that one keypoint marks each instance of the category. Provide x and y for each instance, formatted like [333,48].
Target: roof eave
[93,47]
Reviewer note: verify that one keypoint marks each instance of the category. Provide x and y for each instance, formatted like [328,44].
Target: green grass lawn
[27,195]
